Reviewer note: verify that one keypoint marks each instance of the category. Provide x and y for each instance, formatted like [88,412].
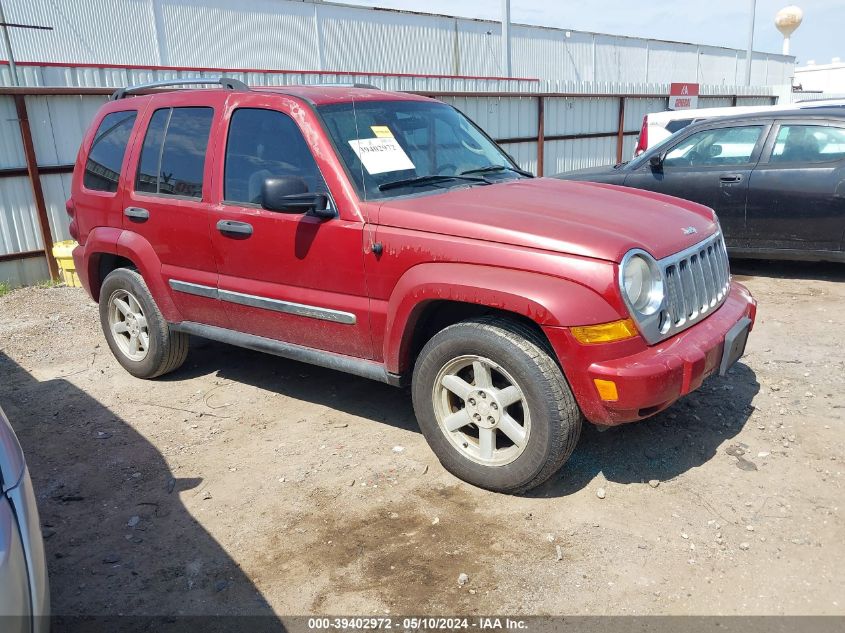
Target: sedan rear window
[809,144]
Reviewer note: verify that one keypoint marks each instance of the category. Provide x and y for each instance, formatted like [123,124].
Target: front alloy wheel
[494,405]
[481,410]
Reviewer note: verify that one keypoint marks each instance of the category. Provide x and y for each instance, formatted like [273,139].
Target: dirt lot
[245,483]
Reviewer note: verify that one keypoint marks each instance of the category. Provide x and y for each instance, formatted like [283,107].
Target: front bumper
[649,378]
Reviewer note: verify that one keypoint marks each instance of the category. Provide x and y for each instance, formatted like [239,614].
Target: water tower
[787,20]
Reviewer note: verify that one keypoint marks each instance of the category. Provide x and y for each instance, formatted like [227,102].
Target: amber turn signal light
[604,332]
[607,389]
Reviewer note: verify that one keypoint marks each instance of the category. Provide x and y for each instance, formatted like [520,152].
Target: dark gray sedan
[24,592]
[776,180]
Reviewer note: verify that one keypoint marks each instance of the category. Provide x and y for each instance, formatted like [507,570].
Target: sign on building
[683,96]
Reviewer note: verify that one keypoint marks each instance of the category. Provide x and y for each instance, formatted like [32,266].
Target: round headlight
[642,284]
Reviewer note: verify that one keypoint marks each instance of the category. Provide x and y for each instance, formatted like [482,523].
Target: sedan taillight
[642,142]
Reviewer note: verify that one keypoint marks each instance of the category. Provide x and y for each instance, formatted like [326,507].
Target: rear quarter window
[105,158]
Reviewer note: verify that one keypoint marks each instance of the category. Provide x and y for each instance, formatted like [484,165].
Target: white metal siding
[56,188]
[117,31]
[578,154]
[18,220]
[283,34]
[58,124]
[827,77]
[11,146]
[221,33]
[24,272]
[587,115]
[621,59]
[525,154]
[500,117]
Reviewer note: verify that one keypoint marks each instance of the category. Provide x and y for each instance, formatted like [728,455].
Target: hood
[580,218]
[605,173]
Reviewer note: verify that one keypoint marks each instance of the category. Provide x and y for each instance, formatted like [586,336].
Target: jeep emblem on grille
[689,230]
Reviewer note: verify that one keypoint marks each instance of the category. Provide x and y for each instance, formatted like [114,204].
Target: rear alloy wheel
[129,325]
[493,404]
[138,335]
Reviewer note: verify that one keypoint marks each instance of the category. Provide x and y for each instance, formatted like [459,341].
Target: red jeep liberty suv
[384,234]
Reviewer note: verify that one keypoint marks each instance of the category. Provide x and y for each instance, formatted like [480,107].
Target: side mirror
[714,150]
[289,194]
[656,161]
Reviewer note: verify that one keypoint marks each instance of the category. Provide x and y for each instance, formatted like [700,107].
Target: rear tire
[494,406]
[137,333]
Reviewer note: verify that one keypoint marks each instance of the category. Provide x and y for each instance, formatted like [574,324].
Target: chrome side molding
[266,303]
[194,289]
[299,309]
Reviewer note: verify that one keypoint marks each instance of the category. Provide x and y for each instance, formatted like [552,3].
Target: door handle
[731,178]
[234,228]
[136,214]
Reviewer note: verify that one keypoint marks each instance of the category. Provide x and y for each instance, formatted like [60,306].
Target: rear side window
[105,158]
[173,154]
[265,144]
[808,144]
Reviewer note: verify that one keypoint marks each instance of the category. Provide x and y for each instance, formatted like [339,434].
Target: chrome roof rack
[225,82]
[339,84]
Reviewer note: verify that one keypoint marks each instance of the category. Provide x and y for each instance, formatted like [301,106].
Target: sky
[724,23]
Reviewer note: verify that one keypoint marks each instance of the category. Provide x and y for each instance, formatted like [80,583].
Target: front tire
[137,333]
[494,406]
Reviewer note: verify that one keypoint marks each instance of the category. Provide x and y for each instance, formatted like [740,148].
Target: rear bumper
[649,379]
[81,265]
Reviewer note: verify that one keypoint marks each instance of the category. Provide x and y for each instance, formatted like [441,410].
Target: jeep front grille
[696,281]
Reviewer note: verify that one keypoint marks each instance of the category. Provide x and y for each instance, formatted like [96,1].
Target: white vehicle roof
[663,118]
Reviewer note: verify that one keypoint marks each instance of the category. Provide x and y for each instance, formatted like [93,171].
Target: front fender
[546,300]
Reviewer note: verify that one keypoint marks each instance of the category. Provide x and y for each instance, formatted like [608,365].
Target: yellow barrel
[63,252]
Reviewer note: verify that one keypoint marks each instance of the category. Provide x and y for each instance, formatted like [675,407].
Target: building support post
[620,131]
[506,37]
[541,134]
[35,183]
[749,55]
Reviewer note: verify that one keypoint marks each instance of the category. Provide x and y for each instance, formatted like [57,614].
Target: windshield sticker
[382,131]
[380,155]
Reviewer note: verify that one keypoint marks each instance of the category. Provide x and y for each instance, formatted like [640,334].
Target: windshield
[395,148]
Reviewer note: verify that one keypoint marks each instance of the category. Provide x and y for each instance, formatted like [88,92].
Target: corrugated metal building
[822,77]
[579,97]
[283,34]
[586,126]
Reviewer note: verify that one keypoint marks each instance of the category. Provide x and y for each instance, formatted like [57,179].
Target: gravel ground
[245,483]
